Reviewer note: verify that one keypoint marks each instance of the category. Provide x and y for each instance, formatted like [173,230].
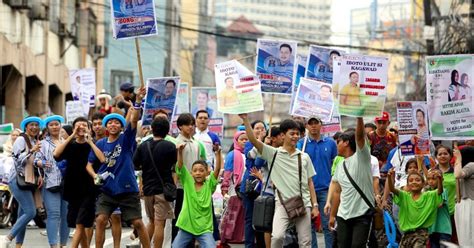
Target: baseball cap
[126,86]
[314,117]
[385,117]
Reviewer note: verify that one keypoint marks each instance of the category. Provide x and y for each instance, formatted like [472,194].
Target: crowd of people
[108,167]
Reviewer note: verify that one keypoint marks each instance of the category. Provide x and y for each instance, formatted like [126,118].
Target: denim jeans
[206,240]
[321,198]
[26,211]
[56,210]
[250,233]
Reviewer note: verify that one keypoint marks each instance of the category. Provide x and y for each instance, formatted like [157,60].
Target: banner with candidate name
[238,89]
[205,98]
[300,71]
[449,96]
[73,110]
[160,94]
[413,131]
[181,106]
[275,65]
[320,63]
[334,125]
[133,18]
[83,87]
[362,85]
[313,98]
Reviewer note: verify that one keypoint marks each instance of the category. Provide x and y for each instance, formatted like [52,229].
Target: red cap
[385,117]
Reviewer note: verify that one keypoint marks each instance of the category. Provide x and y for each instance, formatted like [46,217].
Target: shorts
[157,208]
[129,204]
[81,212]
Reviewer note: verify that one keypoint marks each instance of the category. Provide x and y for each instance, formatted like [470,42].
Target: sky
[340,18]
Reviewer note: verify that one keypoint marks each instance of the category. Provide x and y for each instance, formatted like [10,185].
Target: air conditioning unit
[98,51]
[62,32]
[19,4]
[39,11]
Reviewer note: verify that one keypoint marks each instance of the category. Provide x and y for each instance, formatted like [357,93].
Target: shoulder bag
[372,209]
[264,207]
[294,206]
[169,189]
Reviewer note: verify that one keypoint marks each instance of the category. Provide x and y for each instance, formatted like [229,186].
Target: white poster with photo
[275,65]
[449,92]
[160,94]
[182,106]
[300,71]
[413,131]
[313,98]
[238,89]
[83,87]
[73,110]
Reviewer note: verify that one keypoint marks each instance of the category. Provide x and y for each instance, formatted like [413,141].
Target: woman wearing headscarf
[24,150]
[56,206]
[232,227]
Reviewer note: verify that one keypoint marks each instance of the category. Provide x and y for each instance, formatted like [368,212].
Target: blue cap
[112,116]
[49,119]
[240,128]
[30,119]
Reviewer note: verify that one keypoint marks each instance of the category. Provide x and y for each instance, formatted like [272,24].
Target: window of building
[117,77]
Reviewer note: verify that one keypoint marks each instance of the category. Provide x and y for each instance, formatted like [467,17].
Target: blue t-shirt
[118,161]
[322,154]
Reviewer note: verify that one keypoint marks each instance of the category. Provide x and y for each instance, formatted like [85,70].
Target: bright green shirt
[415,214]
[443,220]
[196,214]
[167,138]
[449,183]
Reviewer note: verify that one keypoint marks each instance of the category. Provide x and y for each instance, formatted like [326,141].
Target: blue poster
[133,18]
[275,65]
[320,63]
[160,94]
[300,71]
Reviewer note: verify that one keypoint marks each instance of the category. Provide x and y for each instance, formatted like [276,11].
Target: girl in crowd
[24,149]
[56,206]
[233,220]
[441,228]
[7,153]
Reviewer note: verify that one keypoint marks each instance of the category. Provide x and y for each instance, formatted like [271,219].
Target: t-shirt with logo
[380,147]
[118,161]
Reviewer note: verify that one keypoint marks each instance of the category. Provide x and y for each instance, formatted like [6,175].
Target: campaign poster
[300,71]
[362,85]
[238,89]
[449,96]
[413,131]
[133,18]
[83,87]
[6,128]
[160,94]
[205,98]
[334,125]
[313,98]
[320,63]
[181,106]
[73,110]
[275,65]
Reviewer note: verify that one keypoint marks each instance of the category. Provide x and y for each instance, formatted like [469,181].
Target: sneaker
[44,233]
[4,242]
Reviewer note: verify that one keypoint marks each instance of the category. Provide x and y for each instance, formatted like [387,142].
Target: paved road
[34,239]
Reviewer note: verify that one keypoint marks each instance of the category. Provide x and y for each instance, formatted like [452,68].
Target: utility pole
[429,29]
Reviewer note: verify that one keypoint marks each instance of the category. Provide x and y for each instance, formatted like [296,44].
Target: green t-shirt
[167,138]
[449,183]
[443,221]
[196,214]
[417,214]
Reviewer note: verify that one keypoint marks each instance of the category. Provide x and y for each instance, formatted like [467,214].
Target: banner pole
[139,59]
[246,57]
[271,116]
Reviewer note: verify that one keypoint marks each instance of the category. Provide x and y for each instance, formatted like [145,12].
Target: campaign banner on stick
[205,98]
[182,106]
[313,98]
[160,94]
[413,131]
[300,71]
[73,110]
[238,89]
[362,85]
[449,96]
[275,65]
[334,125]
[320,63]
[133,18]
[83,87]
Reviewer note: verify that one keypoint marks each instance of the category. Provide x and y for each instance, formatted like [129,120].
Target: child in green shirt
[195,218]
[441,229]
[417,210]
